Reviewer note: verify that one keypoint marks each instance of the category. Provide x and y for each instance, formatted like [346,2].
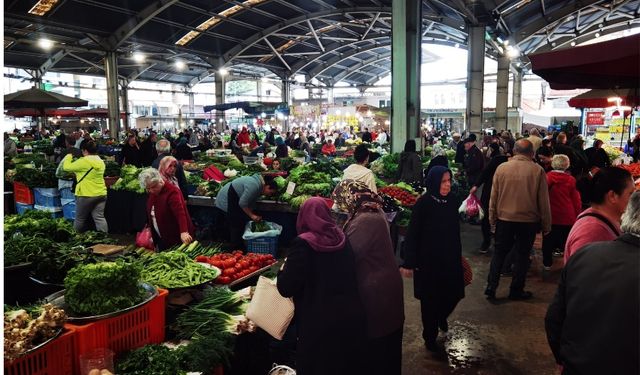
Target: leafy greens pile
[101,288]
[128,180]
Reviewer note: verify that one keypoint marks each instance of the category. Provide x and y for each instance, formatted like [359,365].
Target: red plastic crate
[131,330]
[55,358]
[22,194]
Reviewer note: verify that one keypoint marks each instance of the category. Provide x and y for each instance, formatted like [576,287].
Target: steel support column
[259,89]
[192,103]
[516,99]
[286,98]
[330,97]
[502,93]
[475,79]
[113,100]
[405,72]
[125,105]
[221,92]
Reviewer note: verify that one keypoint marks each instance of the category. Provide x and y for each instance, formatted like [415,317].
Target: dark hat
[469,139]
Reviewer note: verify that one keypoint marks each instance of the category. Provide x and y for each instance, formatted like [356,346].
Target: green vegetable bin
[131,330]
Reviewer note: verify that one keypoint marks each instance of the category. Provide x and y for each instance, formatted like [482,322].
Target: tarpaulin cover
[611,64]
[37,98]
[599,98]
[251,108]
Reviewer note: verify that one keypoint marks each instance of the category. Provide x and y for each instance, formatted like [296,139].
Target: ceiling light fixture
[138,57]
[45,43]
[573,44]
[180,64]
[223,71]
[512,52]
[597,35]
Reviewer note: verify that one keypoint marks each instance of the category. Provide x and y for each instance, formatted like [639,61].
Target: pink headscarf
[316,226]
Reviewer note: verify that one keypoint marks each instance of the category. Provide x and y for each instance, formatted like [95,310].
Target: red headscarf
[316,226]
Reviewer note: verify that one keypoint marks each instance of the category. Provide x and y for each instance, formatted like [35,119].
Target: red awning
[611,64]
[49,112]
[97,112]
[600,98]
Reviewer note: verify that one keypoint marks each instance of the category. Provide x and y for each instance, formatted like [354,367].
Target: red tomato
[223,279]
[229,263]
[202,258]
[228,271]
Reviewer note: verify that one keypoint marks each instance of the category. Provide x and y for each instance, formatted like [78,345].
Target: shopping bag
[466,272]
[473,206]
[269,310]
[145,239]
[273,232]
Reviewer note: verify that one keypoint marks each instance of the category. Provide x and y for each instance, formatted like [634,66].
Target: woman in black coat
[320,275]
[486,179]
[433,255]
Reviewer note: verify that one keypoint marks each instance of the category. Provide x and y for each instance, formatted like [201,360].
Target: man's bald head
[523,147]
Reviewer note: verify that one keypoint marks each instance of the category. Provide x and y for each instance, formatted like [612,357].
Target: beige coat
[520,193]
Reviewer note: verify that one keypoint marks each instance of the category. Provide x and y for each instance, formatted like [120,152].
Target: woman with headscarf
[320,275]
[379,282]
[167,168]
[410,165]
[282,151]
[436,265]
[597,155]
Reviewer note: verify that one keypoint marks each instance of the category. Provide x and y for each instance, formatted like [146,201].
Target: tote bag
[269,310]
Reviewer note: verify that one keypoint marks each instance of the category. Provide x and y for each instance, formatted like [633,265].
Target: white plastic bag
[274,232]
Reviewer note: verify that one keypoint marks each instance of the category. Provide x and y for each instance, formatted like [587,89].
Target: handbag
[269,310]
[466,271]
[145,239]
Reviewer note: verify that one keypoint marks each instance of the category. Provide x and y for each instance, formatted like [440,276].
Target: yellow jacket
[93,184]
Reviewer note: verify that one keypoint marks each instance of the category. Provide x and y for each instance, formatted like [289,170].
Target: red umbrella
[49,112]
[611,64]
[601,98]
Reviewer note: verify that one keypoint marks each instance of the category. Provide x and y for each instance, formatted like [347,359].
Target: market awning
[41,99]
[611,64]
[32,112]
[604,98]
[97,112]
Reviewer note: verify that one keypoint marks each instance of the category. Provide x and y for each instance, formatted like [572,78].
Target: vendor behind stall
[358,171]
[236,199]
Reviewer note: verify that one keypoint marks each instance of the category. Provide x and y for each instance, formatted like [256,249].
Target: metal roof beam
[342,57]
[216,15]
[353,69]
[137,73]
[331,50]
[373,22]
[275,52]
[315,35]
[570,7]
[133,24]
[52,61]
[255,38]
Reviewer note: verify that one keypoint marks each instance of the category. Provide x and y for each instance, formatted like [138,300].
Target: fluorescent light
[223,71]
[512,52]
[139,57]
[180,64]
[45,43]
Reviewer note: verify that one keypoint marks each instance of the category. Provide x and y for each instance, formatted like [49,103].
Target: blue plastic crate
[67,194]
[69,210]
[47,197]
[191,189]
[22,208]
[56,212]
[263,245]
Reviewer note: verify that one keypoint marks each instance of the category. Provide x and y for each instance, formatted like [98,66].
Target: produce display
[258,226]
[102,288]
[152,359]
[235,266]
[25,328]
[128,180]
[633,168]
[111,169]
[612,152]
[402,195]
[43,176]
[386,166]
[174,269]
[195,248]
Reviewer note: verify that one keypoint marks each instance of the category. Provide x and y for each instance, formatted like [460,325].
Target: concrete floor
[503,337]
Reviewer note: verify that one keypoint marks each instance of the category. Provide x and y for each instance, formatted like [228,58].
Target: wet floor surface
[503,337]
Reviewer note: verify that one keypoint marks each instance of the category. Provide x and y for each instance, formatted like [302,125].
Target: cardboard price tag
[290,188]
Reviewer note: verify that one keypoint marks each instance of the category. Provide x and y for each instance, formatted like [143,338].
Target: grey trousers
[87,207]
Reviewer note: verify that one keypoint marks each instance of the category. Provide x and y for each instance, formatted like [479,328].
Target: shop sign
[595,118]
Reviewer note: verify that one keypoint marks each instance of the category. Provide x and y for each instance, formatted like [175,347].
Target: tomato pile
[406,199]
[633,168]
[235,266]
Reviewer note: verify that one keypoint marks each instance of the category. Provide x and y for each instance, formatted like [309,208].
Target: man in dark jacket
[597,155]
[163,147]
[366,136]
[592,324]
[148,149]
[460,151]
[473,161]
[562,148]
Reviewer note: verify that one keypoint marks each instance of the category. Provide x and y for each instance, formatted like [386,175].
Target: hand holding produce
[186,238]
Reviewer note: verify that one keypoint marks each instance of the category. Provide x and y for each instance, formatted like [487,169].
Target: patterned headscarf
[354,196]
